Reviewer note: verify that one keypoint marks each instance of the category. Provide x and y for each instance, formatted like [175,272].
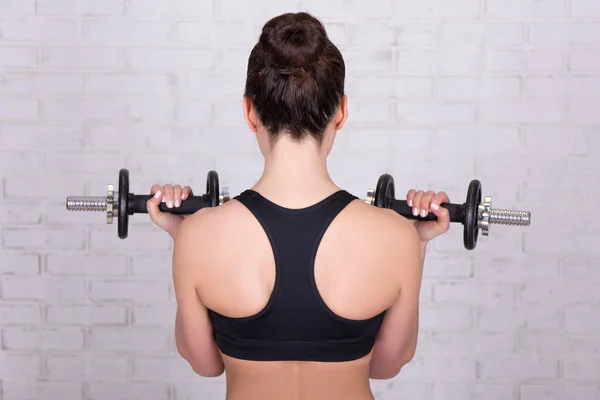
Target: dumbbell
[474,213]
[122,204]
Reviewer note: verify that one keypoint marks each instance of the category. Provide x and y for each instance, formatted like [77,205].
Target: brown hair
[295,77]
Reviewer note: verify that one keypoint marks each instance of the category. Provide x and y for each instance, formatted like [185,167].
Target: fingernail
[164,200]
[157,194]
[177,202]
[435,206]
[415,211]
[183,196]
[170,203]
[410,203]
[423,213]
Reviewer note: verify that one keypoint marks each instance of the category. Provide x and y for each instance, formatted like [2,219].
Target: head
[295,84]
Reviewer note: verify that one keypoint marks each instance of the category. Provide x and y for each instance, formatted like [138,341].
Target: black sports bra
[296,324]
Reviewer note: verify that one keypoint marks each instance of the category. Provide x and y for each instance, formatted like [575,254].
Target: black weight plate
[212,188]
[471,230]
[384,192]
[123,219]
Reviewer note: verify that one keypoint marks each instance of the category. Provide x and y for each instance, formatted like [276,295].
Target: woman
[297,289]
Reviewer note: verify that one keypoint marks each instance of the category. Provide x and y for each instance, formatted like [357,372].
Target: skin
[222,254]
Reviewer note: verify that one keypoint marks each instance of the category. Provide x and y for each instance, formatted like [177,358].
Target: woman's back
[356,273]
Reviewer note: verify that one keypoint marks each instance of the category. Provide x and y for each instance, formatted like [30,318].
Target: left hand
[422,203]
[172,196]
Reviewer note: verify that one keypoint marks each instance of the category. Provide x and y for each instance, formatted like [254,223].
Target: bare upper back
[356,266]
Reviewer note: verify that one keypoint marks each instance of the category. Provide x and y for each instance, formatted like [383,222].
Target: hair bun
[294,40]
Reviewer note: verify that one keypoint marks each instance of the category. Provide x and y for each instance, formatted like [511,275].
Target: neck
[295,171]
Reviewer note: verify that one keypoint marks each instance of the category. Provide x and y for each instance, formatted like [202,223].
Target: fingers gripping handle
[456,211]
[137,205]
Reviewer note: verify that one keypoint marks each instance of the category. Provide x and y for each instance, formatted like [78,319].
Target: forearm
[182,347]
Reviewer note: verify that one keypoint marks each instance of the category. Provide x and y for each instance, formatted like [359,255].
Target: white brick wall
[441,91]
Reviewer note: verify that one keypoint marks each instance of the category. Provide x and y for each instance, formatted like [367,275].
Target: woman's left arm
[194,335]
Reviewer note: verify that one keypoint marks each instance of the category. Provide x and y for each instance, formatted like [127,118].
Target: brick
[136,290]
[553,391]
[126,31]
[476,344]
[480,34]
[87,315]
[371,33]
[81,162]
[512,319]
[473,87]
[160,9]
[119,83]
[171,59]
[38,187]
[140,340]
[581,367]
[584,60]
[563,87]
[91,58]
[17,8]
[515,60]
[438,267]
[554,140]
[39,30]
[231,9]
[347,9]
[80,110]
[42,339]
[231,60]
[436,9]
[389,87]
[69,366]
[517,367]
[459,391]
[475,140]
[481,292]
[428,112]
[409,390]
[372,112]
[19,264]
[516,269]
[129,390]
[368,60]
[585,9]
[28,238]
[43,288]
[188,390]
[443,61]
[146,367]
[582,319]
[18,57]
[559,292]
[198,113]
[219,86]
[526,10]
[109,137]
[151,266]
[560,35]
[41,83]
[75,264]
[21,213]
[155,315]
[584,111]
[15,110]
[19,366]
[582,165]
[439,369]
[77,8]
[410,33]
[581,267]
[447,319]
[572,241]
[24,390]
[23,137]
[222,33]
[19,314]
[523,111]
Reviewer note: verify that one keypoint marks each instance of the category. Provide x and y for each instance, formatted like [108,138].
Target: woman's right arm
[397,339]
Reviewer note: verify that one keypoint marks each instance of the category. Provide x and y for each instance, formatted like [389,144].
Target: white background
[441,92]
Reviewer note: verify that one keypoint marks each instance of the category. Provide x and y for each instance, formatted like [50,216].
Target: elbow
[207,370]
[391,368]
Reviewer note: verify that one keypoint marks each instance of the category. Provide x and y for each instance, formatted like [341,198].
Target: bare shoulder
[385,226]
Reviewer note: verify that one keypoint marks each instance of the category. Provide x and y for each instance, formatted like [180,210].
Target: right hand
[423,203]
[172,196]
